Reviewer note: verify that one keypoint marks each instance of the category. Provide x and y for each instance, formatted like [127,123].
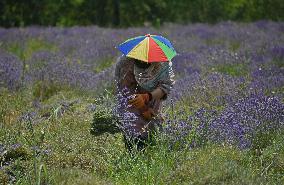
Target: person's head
[141,64]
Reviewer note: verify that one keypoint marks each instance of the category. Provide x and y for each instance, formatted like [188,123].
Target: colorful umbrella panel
[148,48]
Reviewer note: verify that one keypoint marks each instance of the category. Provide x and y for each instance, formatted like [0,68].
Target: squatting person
[148,77]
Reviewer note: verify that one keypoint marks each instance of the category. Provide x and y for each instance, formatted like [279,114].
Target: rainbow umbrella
[148,48]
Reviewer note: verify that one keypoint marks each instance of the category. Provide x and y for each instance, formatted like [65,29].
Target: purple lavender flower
[10,71]
[47,152]
[91,107]
[278,52]
[238,123]
[264,80]
[28,117]
[2,150]
[55,69]
[125,117]
[15,146]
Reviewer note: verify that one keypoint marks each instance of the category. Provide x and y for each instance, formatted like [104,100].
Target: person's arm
[158,94]
[140,99]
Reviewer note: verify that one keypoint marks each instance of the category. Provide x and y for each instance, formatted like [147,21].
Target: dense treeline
[135,12]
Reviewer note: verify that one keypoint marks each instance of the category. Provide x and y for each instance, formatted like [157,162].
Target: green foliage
[104,64]
[134,12]
[77,177]
[4,178]
[262,139]
[43,90]
[15,153]
[12,104]
[25,50]
[235,45]
[151,167]
[279,63]
[233,69]
[104,120]
[268,158]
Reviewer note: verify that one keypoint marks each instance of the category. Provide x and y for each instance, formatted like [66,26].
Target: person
[149,84]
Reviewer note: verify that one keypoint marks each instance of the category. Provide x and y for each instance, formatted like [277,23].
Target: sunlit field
[223,121]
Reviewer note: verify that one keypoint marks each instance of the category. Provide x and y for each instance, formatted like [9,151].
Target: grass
[78,157]
[240,69]
[104,64]
[25,51]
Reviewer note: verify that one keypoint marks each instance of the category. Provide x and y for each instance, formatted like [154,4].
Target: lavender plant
[238,124]
[10,71]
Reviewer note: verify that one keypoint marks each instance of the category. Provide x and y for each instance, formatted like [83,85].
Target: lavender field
[224,120]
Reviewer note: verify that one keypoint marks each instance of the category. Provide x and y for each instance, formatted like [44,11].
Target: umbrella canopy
[148,48]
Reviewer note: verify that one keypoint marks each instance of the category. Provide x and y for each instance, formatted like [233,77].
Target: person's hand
[148,114]
[140,100]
